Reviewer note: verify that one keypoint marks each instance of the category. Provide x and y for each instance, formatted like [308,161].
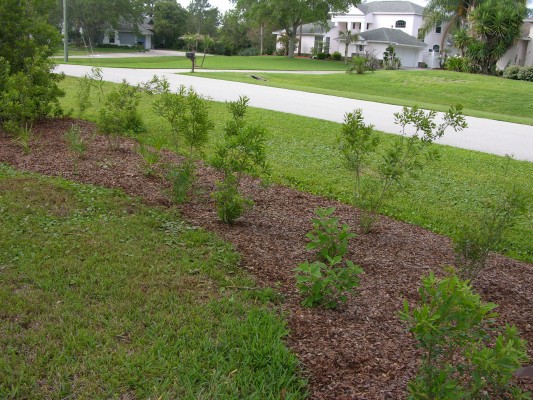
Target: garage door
[409,56]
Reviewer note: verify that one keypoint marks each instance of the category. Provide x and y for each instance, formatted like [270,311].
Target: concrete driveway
[489,136]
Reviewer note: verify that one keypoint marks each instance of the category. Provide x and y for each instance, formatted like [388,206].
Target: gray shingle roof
[390,7]
[317,29]
[389,35]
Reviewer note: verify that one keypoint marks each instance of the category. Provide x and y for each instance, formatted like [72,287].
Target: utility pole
[65,30]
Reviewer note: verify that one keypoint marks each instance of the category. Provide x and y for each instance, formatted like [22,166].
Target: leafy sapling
[454,328]
[150,158]
[396,164]
[478,238]
[327,238]
[76,144]
[85,85]
[120,115]
[188,116]
[243,152]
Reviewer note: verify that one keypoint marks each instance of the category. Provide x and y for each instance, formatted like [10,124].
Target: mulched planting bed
[360,351]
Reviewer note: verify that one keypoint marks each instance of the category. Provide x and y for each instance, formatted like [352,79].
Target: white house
[522,51]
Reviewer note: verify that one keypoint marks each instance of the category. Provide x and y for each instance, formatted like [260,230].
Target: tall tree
[348,37]
[203,19]
[259,14]
[290,14]
[170,22]
[233,33]
[493,27]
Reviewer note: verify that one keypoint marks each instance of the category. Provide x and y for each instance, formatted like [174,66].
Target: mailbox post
[191,55]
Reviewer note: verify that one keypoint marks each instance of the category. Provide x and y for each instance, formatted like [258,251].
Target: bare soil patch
[360,351]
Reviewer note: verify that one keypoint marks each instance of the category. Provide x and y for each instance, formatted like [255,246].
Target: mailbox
[191,55]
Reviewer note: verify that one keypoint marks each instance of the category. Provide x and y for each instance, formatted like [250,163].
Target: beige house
[522,51]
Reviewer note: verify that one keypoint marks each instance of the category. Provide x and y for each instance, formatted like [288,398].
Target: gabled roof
[399,6]
[316,29]
[389,35]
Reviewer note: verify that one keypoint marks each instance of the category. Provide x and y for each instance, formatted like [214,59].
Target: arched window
[436,48]
[400,23]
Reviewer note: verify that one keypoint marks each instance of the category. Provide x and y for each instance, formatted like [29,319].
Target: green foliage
[169,24]
[454,328]
[119,115]
[486,233]
[327,238]
[494,25]
[525,74]
[85,85]
[459,64]
[28,94]
[181,178]
[150,158]
[230,203]
[399,162]
[390,61]
[359,65]
[336,56]
[328,284]
[243,152]
[188,115]
[511,71]
[77,145]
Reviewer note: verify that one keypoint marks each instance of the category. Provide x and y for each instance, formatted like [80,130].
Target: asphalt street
[489,136]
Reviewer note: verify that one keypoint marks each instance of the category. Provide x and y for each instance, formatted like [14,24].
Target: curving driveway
[489,136]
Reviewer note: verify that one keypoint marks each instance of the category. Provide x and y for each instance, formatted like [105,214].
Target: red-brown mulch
[360,351]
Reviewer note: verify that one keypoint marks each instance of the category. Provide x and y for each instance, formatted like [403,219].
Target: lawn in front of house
[481,95]
[272,63]
[87,51]
[103,297]
[303,154]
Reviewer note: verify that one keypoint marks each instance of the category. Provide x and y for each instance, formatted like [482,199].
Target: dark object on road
[258,78]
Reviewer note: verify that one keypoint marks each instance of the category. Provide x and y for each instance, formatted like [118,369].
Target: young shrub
[478,238]
[120,116]
[454,328]
[76,144]
[150,158]
[525,74]
[243,152]
[188,115]
[408,154]
[390,61]
[336,56]
[358,66]
[327,238]
[85,86]
[327,284]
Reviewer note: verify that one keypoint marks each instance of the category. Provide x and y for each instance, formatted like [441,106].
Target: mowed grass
[481,96]
[303,154]
[272,63]
[102,297]
[82,51]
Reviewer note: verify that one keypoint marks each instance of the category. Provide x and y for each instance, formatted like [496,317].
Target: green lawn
[303,154]
[102,297]
[481,96]
[273,63]
[82,51]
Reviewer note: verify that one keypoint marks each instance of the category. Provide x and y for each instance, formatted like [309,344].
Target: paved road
[484,135]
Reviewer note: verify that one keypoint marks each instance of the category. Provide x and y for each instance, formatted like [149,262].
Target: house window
[438,29]
[436,48]
[368,26]
[112,38]
[401,24]
[326,45]
[361,48]
[319,44]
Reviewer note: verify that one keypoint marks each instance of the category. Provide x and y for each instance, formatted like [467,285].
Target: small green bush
[327,238]
[321,56]
[230,203]
[327,284]
[454,328]
[77,144]
[525,74]
[181,178]
[511,71]
[336,56]
[250,51]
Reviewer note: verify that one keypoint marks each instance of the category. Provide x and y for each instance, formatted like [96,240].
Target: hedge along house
[129,35]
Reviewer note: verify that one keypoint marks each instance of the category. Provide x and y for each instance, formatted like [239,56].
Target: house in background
[522,51]
[130,35]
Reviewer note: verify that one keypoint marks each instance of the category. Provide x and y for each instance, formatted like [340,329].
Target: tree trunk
[292,36]
[300,42]
[261,33]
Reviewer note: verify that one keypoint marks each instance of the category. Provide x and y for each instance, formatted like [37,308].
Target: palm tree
[348,38]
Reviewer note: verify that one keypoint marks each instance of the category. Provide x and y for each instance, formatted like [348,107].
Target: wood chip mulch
[361,351]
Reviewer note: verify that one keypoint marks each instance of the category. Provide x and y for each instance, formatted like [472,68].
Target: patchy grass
[303,154]
[481,96]
[102,297]
[82,51]
[272,63]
